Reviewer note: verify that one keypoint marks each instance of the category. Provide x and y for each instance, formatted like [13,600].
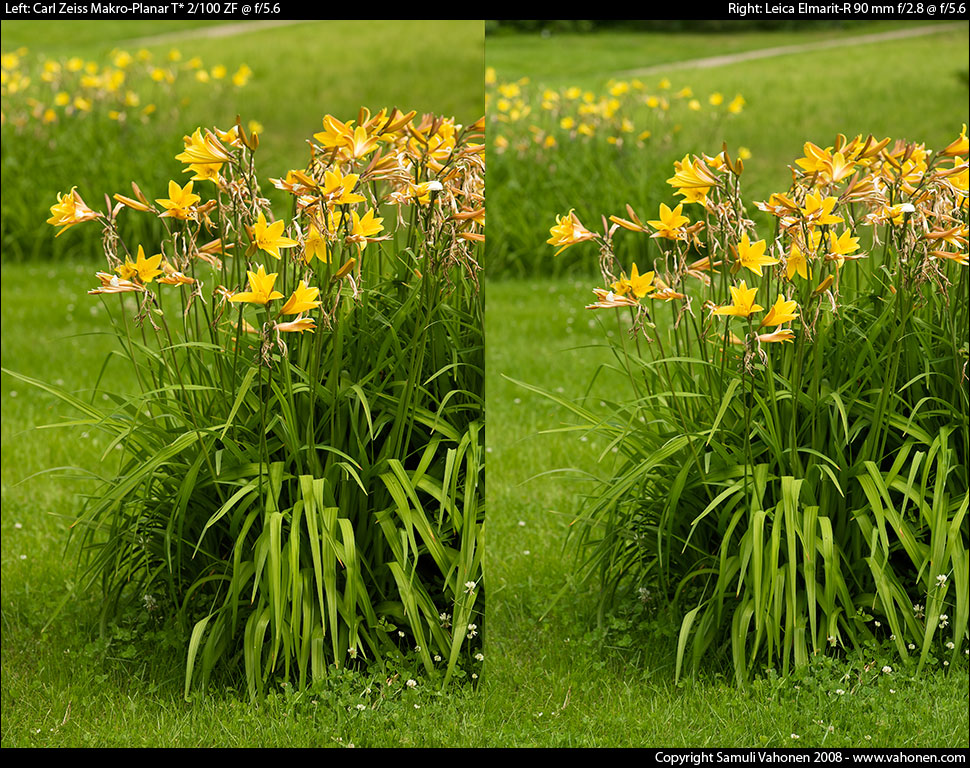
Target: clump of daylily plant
[301,472]
[794,444]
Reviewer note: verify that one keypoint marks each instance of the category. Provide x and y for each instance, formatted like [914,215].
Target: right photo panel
[727,382]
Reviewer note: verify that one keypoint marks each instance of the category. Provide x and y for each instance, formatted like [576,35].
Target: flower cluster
[126,86]
[845,200]
[430,168]
[625,112]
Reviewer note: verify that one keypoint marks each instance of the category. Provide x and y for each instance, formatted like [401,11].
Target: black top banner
[238,10]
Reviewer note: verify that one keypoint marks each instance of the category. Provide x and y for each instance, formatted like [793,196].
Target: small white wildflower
[911,646]
[361,707]
[941,580]
[946,663]
[481,656]
[839,691]
[18,526]
[400,633]
[892,690]
[522,523]
[412,683]
[23,557]
[474,676]
[437,657]
[352,652]
[795,736]
[944,620]
[469,586]
[950,645]
[887,670]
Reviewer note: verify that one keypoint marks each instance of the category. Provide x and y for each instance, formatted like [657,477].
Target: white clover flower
[481,656]
[839,691]
[412,683]
[361,707]
[950,645]
[887,670]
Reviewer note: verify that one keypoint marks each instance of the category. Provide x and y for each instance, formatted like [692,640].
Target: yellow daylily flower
[260,288]
[302,300]
[796,263]
[752,255]
[781,335]
[671,222]
[742,302]
[567,231]
[143,269]
[69,210]
[297,325]
[364,229]
[114,284]
[637,284]
[269,237]
[959,146]
[818,210]
[841,246]
[782,311]
[339,188]
[315,244]
[180,201]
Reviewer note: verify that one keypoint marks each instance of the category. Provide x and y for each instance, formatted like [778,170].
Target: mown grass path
[711,62]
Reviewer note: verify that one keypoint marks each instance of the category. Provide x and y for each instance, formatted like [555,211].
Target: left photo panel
[243,365]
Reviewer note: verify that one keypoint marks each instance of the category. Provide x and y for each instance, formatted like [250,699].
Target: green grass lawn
[551,677]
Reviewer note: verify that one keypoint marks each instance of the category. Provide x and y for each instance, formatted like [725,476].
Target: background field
[912,88]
